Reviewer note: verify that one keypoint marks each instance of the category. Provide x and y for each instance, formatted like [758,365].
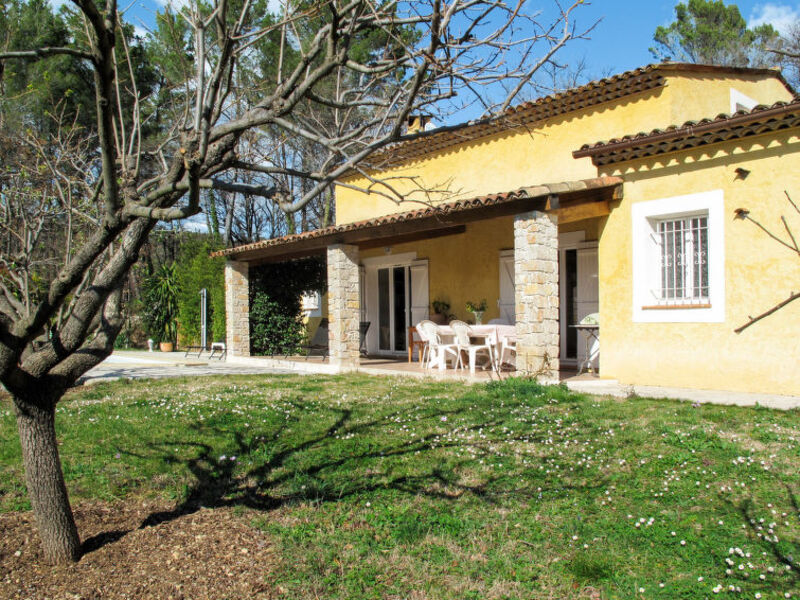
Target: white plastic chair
[463,332]
[438,352]
[424,337]
[508,346]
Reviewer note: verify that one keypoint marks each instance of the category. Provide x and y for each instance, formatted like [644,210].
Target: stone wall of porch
[237,308]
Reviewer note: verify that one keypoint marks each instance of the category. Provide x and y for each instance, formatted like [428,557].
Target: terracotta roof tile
[458,206]
[759,120]
[590,94]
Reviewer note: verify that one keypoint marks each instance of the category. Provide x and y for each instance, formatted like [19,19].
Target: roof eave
[444,219]
[623,150]
[637,81]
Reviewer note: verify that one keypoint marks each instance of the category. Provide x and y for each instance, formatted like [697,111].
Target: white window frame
[738,99]
[312,304]
[682,230]
[647,308]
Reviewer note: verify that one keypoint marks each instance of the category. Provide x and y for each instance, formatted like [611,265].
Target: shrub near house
[276,290]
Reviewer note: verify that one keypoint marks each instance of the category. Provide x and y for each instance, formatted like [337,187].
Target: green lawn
[392,488]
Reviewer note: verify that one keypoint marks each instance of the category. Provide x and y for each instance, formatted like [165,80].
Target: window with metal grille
[683,251]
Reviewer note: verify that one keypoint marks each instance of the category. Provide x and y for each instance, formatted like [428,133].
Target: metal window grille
[683,251]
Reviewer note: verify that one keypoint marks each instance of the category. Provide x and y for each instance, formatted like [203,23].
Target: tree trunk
[45,481]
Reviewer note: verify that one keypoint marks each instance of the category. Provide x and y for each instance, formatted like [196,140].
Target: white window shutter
[588,288]
[419,291]
[507,301]
[362,291]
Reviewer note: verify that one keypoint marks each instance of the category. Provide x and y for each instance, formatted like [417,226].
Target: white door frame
[370,302]
[574,240]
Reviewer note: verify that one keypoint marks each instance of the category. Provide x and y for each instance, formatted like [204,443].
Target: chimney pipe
[417,123]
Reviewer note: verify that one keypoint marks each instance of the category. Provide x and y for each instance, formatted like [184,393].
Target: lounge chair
[363,328]
[319,342]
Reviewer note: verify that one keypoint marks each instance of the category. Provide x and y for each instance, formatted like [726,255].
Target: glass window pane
[399,277]
[571,257]
[684,258]
[664,257]
[680,259]
[701,252]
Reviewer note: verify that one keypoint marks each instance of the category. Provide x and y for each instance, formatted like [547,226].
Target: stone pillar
[536,295]
[344,306]
[237,308]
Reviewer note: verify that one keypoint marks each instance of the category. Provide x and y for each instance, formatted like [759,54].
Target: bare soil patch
[141,550]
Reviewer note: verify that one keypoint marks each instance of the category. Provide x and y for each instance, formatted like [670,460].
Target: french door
[394,289]
[579,297]
[395,298]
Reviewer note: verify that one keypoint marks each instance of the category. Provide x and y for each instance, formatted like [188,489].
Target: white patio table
[494,335]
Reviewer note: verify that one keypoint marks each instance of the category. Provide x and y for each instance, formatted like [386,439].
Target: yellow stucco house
[559,208]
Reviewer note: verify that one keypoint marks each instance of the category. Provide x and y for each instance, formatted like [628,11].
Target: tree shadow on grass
[325,463]
[785,551]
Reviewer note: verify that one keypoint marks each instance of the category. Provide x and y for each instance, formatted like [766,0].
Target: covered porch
[527,252]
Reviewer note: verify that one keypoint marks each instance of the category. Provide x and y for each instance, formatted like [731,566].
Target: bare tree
[149,158]
[789,242]
[785,52]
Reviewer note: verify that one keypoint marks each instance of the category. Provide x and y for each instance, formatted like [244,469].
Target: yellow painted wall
[312,323]
[759,273]
[465,266]
[696,96]
[526,157]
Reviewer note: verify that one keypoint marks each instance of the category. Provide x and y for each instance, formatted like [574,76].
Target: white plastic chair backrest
[422,330]
[499,322]
[430,330]
[461,329]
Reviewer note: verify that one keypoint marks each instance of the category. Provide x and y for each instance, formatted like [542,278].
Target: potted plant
[170,333]
[477,310]
[440,308]
[162,301]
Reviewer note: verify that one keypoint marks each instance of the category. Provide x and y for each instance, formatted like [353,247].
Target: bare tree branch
[765,314]
[39,53]
[744,214]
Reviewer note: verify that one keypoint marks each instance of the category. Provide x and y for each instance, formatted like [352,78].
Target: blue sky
[622,39]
